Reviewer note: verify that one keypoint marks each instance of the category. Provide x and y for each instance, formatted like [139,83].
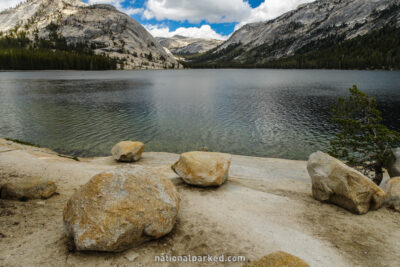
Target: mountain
[102,27]
[181,45]
[301,37]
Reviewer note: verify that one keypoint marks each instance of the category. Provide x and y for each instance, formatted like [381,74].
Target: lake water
[269,113]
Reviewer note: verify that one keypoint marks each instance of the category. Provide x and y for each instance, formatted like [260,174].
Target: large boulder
[393,193]
[335,182]
[203,168]
[127,151]
[278,259]
[394,166]
[120,209]
[30,188]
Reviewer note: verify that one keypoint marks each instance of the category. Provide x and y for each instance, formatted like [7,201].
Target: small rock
[131,256]
[121,208]
[127,151]
[394,166]
[31,188]
[393,194]
[203,168]
[278,259]
[335,182]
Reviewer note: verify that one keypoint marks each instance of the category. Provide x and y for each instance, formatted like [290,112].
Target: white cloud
[271,9]
[9,3]
[212,11]
[218,11]
[118,4]
[205,31]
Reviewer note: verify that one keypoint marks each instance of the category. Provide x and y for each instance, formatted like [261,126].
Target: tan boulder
[278,259]
[393,193]
[335,182]
[127,151]
[30,188]
[203,168]
[120,209]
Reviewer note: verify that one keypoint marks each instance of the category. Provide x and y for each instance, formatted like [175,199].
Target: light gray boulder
[394,166]
[393,194]
[335,182]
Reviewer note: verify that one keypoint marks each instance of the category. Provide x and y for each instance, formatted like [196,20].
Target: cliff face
[109,31]
[181,45]
[287,34]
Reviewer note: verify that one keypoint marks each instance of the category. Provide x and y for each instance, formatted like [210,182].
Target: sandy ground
[265,206]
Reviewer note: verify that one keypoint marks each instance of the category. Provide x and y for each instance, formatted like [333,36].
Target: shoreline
[267,203]
[74,156]
[197,69]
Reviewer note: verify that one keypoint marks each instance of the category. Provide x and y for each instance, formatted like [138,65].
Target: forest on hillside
[377,50]
[18,52]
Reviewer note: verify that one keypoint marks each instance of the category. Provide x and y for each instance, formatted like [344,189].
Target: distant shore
[210,68]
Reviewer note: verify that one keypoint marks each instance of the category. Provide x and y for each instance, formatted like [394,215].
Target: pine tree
[362,141]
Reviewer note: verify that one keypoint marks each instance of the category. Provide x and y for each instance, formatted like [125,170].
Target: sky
[216,19]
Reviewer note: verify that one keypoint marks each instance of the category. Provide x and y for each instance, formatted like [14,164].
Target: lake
[268,113]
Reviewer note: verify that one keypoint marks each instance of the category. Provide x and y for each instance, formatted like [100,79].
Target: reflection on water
[275,113]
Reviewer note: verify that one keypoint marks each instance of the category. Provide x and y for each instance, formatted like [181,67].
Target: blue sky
[223,29]
[195,18]
[200,18]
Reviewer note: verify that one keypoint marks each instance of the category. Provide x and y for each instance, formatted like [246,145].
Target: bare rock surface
[278,259]
[267,202]
[181,45]
[127,151]
[28,188]
[335,182]
[203,168]
[120,209]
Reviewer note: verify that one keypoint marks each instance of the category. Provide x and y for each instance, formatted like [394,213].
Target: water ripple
[273,113]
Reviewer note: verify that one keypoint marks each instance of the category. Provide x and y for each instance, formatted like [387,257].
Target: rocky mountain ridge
[318,21]
[181,45]
[109,31]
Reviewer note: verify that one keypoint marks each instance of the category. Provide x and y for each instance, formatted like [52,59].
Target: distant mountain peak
[181,45]
[110,31]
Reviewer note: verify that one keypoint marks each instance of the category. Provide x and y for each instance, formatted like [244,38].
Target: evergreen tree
[363,141]
[17,52]
[376,50]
